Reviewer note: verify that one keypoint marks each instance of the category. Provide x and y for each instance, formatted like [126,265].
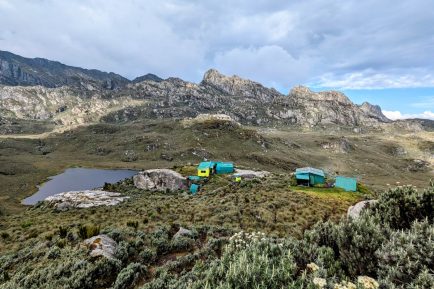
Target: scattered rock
[159,180]
[129,156]
[249,174]
[339,146]
[418,166]
[182,232]
[101,245]
[84,199]
[208,118]
[354,211]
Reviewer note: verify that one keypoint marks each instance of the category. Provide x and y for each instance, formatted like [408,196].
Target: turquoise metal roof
[205,165]
[310,170]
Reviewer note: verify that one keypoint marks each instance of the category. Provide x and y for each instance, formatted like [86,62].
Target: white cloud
[271,65]
[394,115]
[372,80]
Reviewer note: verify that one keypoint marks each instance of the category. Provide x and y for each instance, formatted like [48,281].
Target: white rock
[84,199]
[101,245]
[182,232]
[354,211]
[159,180]
[249,174]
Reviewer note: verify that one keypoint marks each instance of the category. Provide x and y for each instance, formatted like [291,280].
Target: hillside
[18,70]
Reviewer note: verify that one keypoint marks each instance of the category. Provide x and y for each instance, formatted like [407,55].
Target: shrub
[401,206]
[129,276]
[133,224]
[408,255]
[88,231]
[63,232]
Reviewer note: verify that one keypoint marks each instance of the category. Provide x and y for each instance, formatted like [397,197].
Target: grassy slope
[25,163]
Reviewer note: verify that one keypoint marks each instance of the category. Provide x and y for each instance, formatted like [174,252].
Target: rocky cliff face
[374,111]
[149,96]
[17,70]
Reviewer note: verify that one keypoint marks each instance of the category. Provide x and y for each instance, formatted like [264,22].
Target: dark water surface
[77,179]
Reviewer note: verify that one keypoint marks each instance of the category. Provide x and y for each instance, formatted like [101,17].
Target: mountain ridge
[244,100]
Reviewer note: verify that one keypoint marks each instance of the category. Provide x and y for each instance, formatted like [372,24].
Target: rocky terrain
[38,89]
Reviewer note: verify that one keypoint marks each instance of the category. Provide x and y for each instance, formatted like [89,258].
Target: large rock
[101,245]
[249,174]
[160,180]
[182,232]
[84,199]
[354,211]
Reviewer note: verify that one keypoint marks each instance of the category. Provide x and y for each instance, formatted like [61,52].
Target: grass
[329,193]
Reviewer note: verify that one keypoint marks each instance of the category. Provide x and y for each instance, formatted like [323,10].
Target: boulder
[101,245]
[182,232]
[84,199]
[249,174]
[354,211]
[160,180]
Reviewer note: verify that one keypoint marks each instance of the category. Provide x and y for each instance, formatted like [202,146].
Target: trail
[60,129]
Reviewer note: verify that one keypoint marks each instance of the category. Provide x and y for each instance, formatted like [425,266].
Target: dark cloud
[344,43]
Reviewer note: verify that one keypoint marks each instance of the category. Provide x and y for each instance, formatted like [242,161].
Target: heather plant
[401,206]
[407,258]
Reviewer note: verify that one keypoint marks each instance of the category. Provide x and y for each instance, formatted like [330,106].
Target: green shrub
[63,232]
[88,231]
[401,206]
[129,276]
[133,224]
[408,255]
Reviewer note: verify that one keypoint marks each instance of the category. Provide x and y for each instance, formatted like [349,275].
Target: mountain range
[40,89]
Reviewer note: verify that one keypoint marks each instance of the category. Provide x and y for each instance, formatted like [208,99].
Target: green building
[309,176]
[348,184]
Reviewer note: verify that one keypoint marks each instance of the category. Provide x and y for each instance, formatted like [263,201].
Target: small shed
[224,168]
[194,188]
[348,184]
[309,176]
[205,169]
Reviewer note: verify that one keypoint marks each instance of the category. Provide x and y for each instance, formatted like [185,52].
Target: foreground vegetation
[389,246]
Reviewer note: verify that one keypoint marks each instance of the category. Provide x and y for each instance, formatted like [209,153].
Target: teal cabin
[348,184]
[309,176]
[224,168]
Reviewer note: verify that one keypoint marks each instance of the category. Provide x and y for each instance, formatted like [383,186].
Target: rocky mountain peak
[374,111]
[148,76]
[237,86]
[302,92]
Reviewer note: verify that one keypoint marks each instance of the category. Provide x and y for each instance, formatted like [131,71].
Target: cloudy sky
[381,51]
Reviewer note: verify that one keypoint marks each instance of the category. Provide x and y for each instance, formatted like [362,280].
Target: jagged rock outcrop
[354,211]
[18,70]
[101,245]
[237,86]
[147,77]
[160,180]
[83,199]
[374,111]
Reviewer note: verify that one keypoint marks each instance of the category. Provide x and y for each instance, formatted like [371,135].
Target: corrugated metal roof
[205,165]
[310,170]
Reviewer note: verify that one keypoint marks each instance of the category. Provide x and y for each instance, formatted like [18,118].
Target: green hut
[348,184]
[309,176]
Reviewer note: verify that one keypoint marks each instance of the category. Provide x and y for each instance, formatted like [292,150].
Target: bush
[408,255]
[129,276]
[401,206]
[88,231]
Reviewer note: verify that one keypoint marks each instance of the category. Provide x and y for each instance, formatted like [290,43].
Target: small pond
[77,179]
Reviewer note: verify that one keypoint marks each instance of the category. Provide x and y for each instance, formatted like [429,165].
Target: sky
[378,51]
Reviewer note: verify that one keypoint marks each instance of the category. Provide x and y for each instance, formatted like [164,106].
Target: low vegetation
[388,246]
